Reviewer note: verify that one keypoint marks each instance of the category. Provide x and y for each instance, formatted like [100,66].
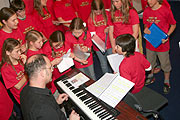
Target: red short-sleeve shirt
[99,28]
[133,69]
[163,18]
[11,77]
[125,28]
[72,42]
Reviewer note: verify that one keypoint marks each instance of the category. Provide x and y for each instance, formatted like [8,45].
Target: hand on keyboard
[74,116]
[61,98]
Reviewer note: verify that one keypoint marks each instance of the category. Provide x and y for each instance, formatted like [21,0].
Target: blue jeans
[103,61]
[89,71]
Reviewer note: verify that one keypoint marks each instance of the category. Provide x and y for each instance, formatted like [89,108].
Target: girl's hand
[164,40]
[72,55]
[55,22]
[147,31]
[84,48]
[106,30]
[84,62]
[23,58]
[56,61]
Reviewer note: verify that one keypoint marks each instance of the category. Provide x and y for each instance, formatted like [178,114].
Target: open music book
[66,62]
[156,36]
[80,54]
[110,88]
[114,61]
[100,44]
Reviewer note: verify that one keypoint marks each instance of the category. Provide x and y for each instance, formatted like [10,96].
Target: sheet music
[111,88]
[66,62]
[100,44]
[114,61]
[78,79]
[80,54]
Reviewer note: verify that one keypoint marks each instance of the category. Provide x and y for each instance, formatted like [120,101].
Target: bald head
[34,64]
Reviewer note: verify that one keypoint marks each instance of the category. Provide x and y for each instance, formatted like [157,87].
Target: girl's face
[21,13]
[97,12]
[15,54]
[12,22]
[152,3]
[77,33]
[118,49]
[57,45]
[43,2]
[38,43]
[117,4]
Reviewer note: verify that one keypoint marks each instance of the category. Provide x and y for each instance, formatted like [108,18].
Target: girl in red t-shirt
[10,28]
[34,42]
[55,49]
[98,24]
[46,17]
[79,40]
[125,20]
[12,69]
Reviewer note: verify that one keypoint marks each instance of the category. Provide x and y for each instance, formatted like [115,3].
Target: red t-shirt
[30,23]
[133,69]
[16,34]
[30,52]
[163,18]
[12,77]
[29,6]
[6,104]
[59,53]
[83,8]
[47,24]
[107,4]
[99,27]
[64,9]
[122,28]
[72,42]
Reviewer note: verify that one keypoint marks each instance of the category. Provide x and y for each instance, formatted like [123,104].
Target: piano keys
[92,108]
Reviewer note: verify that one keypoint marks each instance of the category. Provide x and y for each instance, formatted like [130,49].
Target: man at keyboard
[37,102]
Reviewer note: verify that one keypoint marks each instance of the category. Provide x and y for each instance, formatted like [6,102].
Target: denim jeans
[103,61]
[89,71]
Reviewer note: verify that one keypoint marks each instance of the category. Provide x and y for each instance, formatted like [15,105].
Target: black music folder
[156,36]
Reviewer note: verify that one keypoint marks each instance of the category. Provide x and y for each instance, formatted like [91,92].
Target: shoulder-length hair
[5,14]
[39,8]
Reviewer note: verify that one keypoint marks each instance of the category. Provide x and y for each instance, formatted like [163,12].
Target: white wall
[4,3]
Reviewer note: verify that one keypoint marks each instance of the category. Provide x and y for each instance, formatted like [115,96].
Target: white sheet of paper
[110,88]
[78,80]
[99,43]
[99,86]
[114,61]
[66,62]
[116,91]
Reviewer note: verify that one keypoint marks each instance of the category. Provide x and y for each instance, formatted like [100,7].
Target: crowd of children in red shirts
[52,27]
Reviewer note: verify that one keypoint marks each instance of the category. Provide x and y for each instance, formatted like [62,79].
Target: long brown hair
[95,5]
[8,45]
[125,8]
[57,36]
[77,24]
[39,8]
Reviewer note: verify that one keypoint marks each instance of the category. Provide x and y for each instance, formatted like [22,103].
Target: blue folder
[156,36]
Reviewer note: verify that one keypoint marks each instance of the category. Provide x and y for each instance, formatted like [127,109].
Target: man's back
[39,103]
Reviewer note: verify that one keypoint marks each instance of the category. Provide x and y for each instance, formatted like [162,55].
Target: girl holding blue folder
[163,17]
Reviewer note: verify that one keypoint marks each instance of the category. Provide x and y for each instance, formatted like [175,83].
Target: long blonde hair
[125,8]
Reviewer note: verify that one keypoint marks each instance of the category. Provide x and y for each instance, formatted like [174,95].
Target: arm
[60,19]
[111,37]
[171,30]
[135,30]
[21,83]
